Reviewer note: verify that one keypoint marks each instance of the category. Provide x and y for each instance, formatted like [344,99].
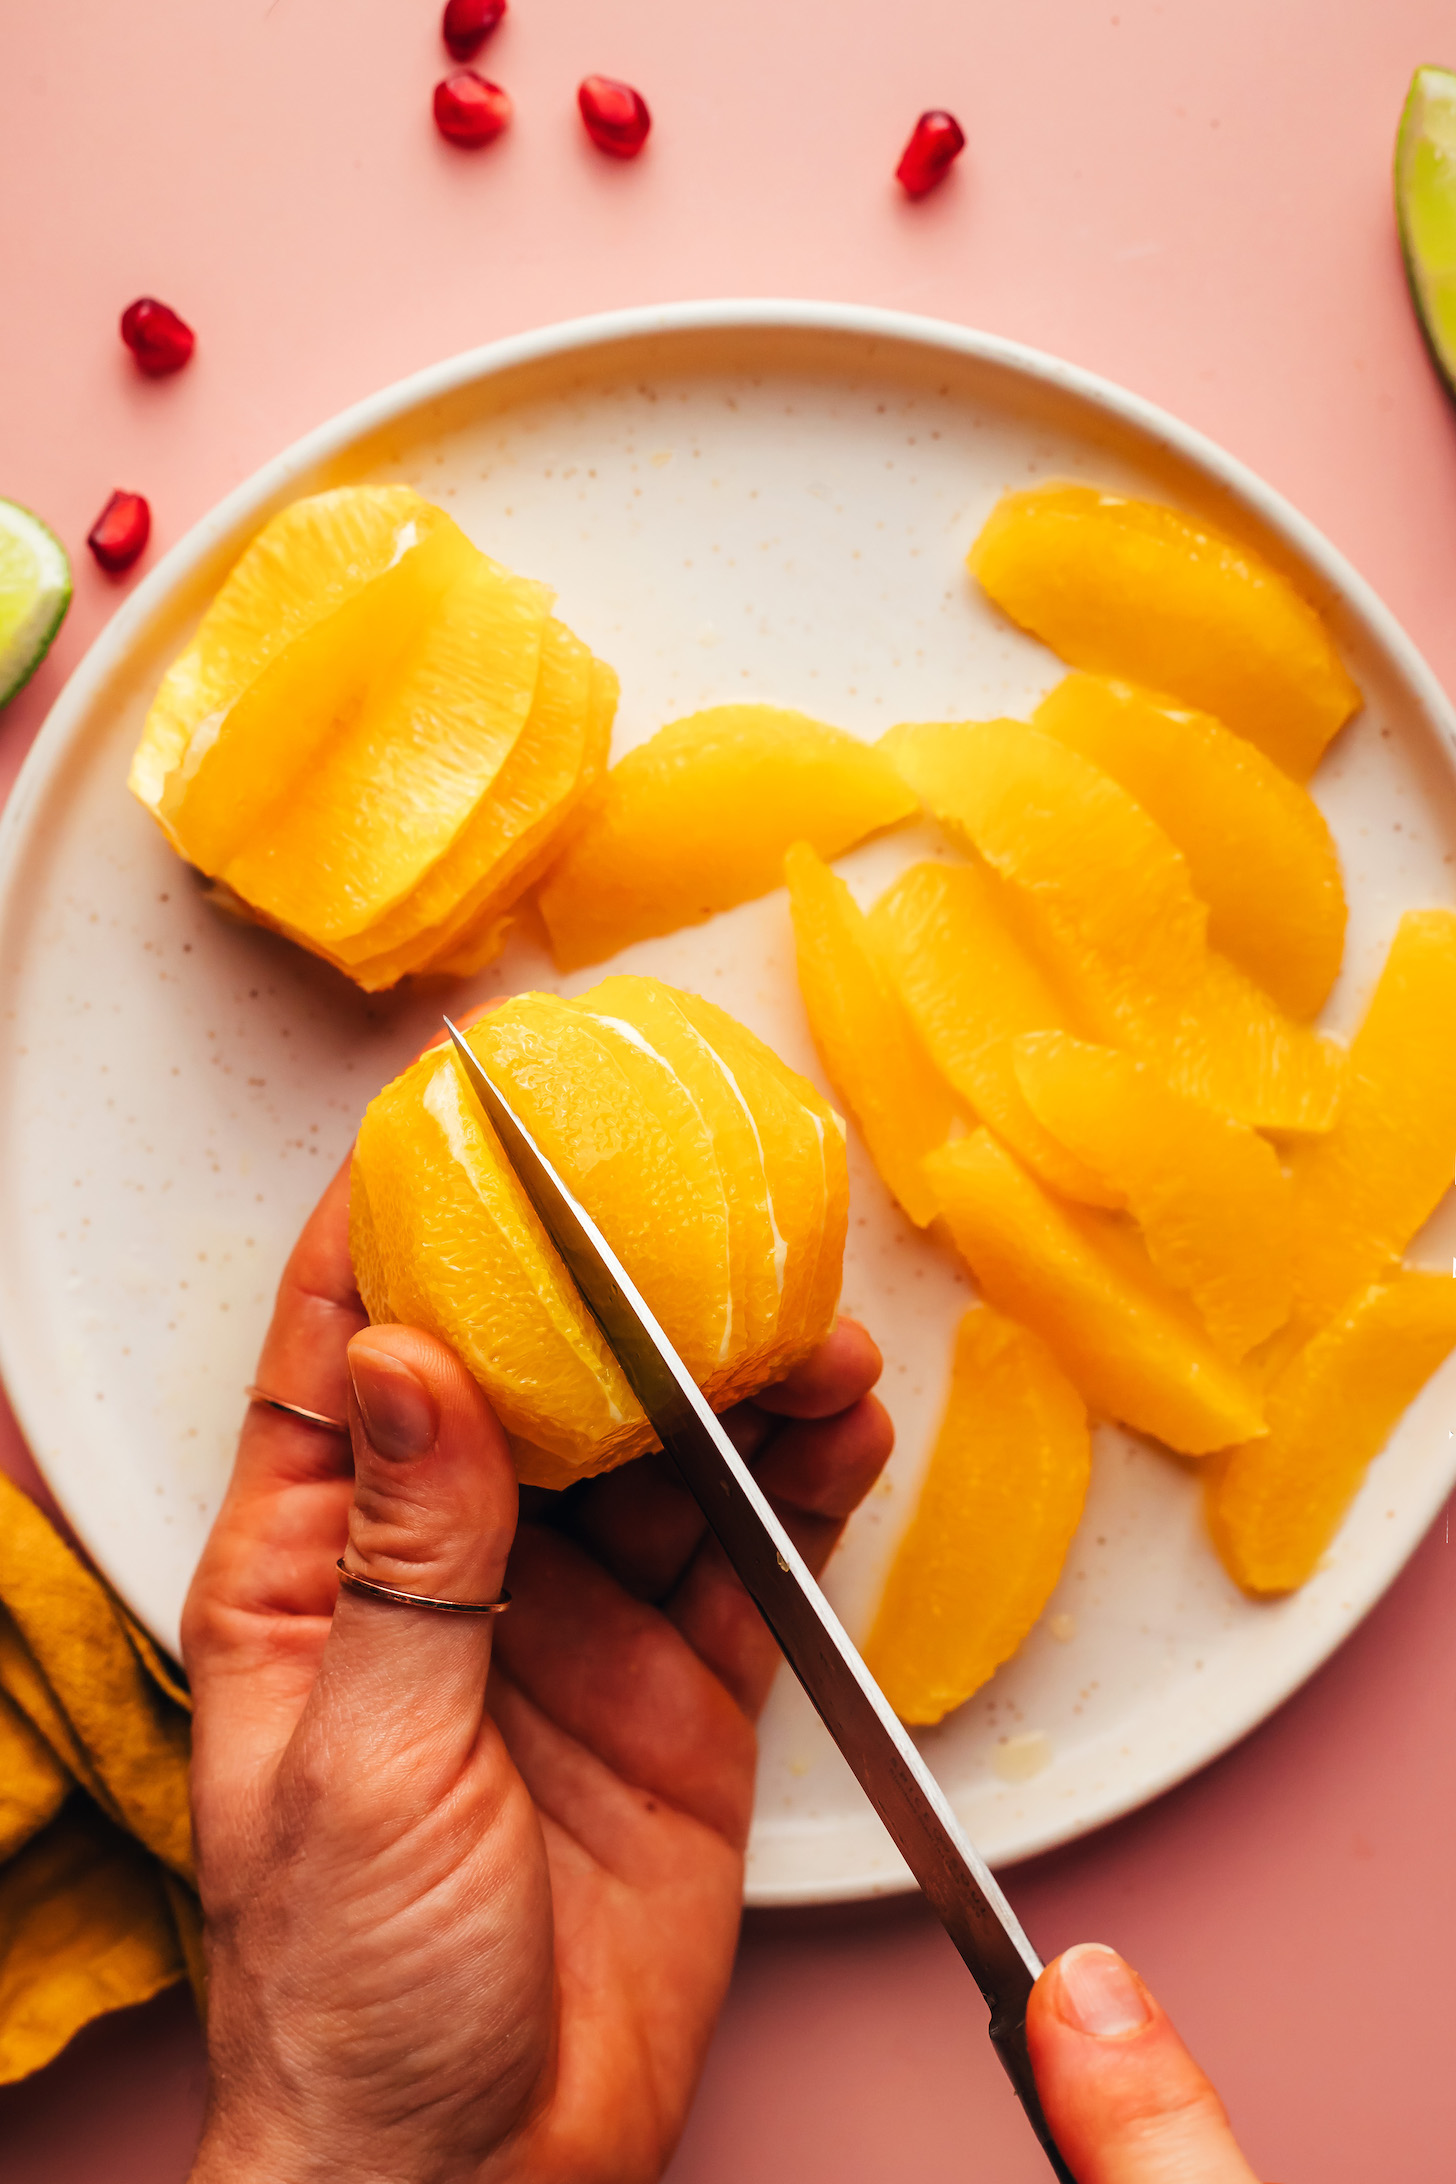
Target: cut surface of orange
[699,818]
[970,987]
[1258,849]
[1081,1280]
[1214,1205]
[727,1210]
[1153,595]
[1109,902]
[1000,1503]
[867,1043]
[1275,1505]
[1361,1193]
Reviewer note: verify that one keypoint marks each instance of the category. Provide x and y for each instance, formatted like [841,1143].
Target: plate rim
[366,418]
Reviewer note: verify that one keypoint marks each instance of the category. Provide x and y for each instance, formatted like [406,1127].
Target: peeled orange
[716,1174]
[374,735]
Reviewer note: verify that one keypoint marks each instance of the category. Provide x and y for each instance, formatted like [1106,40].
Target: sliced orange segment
[1082,1281]
[305,563]
[1361,1193]
[1110,904]
[1153,595]
[1000,1503]
[802,1140]
[971,986]
[1275,1505]
[868,1045]
[649,1015]
[546,757]
[1215,1207]
[386,792]
[699,818]
[1258,849]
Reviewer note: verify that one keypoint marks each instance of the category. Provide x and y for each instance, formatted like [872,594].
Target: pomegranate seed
[120,532]
[470,111]
[159,340]
[935,142]
[616,116]
[468,23]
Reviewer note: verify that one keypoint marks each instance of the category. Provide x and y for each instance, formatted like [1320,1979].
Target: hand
[1126,2102]
[452,1939]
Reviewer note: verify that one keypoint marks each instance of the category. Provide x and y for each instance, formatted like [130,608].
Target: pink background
[1191,196]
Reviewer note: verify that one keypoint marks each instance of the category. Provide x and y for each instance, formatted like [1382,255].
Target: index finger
[281,1526]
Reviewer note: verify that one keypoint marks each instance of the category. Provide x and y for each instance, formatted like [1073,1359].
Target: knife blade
[955,1881]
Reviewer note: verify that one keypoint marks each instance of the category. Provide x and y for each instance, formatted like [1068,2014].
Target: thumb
[434,1513]
[1126,2102]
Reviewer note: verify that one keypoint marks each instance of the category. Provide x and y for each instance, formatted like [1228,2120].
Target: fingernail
[1097,1993]
[397,1409]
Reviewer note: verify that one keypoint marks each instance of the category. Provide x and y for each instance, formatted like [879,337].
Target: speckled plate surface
[732,499]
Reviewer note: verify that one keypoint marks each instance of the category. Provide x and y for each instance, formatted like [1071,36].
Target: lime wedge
[1425,203]
[35,591]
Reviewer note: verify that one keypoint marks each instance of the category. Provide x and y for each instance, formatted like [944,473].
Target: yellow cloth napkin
[96,1904]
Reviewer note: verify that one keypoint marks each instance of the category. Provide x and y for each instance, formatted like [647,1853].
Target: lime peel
[35,591]
[1425,203]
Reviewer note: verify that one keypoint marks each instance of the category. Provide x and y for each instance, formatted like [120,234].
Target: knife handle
[1008,2038]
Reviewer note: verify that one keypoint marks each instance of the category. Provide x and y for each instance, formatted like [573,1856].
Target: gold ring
[402,1599]
[296,1410]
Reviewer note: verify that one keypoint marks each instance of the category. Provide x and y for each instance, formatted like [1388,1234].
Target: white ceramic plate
[733,499]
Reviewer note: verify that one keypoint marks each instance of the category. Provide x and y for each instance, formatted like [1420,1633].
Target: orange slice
[1134,589]
[1110,904]
[370,792]
[971,987]
[699,818]
[1215,1208]
[1275,1504]
[1000,1503]
[1258,850]
[548,753]
[306,563]
[1082,1281]
[868,1045]
[1361,1193]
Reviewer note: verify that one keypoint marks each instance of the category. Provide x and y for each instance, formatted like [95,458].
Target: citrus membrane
[35,591]
[1425,203]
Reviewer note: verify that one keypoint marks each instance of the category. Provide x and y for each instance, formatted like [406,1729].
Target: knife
[886,1764]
